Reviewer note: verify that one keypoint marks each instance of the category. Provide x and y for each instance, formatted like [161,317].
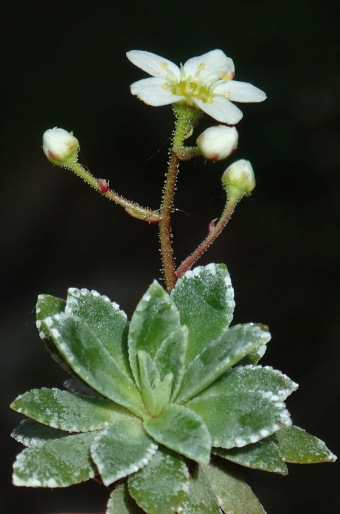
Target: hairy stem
[213,234]
[187,117]
[102,187]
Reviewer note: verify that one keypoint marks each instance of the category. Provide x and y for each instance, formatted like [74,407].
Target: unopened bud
[217,143]
[239,178]
[59,146]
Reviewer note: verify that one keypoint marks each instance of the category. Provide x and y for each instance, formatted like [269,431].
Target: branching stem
[213,234]
[131,208]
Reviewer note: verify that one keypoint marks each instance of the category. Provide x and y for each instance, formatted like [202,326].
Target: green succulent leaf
[120,502]
[107,322]
[181,430]
[155,393]
[254,357]
[170,357]
[264,455]
[67,411]
[154,319]
[275,384]
[162,485]
[77,386]
[48,306]
[31,433]
[122,449]
[204,298]
[201,498]
[300,447]
[233,494]
[240,418]
[92,362]
[219,356]
[57,463]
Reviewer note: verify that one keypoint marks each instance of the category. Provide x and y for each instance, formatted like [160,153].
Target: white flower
[59,145]
[205,82]
[217,143]
[239,178]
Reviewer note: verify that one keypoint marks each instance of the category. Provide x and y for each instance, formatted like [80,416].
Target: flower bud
[239,178]
[59,146]
[217,143]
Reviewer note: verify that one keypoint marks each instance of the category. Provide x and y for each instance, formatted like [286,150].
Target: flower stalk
[187,117]
[214,231]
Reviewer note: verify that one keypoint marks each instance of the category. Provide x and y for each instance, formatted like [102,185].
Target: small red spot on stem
[103,185]
[211,225]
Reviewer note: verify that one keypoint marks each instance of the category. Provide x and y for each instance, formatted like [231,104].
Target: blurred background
[63,64]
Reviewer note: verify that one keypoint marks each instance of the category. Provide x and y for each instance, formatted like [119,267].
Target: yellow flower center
[190,89]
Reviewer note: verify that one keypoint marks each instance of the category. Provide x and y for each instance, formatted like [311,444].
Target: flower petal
[216,64]
[221,110]
[152,92]
[241,91]
[153,64]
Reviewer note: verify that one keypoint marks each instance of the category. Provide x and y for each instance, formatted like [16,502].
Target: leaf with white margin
[31,433]
[204,298]
[92,362]
[67,411]
[275,384]
[170,357]
[107,322]
[155,393]
[240,418]
[122,449]
[299,447]
[162,485]
[120,502]
[48,306]
[181,430]
[58,463]
[264,455]
[232,493]
[201,498]
[219,356]
[154,319]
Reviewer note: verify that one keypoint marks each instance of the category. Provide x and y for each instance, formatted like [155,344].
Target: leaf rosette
[163,408]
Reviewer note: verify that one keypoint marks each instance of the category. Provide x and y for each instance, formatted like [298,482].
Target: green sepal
[31,433]
[154,319]
[58,463]
[92,362]
[204,298]
[264,455]
[299,447]
[67,411]
[155,393]
[181,430]
[122,449]
[121,502]
[240,418]
[219,356]
[275,384]
[201,498]
[107,322]
[170,357]
[162,485]
[233,494]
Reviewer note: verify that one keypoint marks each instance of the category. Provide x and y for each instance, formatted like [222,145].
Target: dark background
[63,64]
